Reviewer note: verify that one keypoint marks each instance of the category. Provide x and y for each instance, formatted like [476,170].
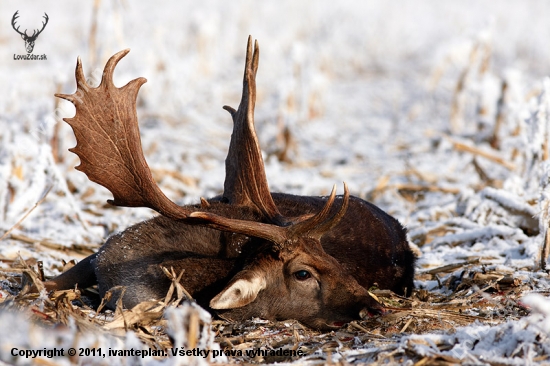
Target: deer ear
[241,291]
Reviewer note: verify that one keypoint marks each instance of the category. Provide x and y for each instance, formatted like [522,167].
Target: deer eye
[302,275]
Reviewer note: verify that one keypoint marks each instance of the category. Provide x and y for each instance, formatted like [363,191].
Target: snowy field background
[438,112]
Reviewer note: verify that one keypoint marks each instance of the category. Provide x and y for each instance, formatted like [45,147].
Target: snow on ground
[435,111]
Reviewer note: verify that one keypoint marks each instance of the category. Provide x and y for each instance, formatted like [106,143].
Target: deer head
[29,40]
[287,274]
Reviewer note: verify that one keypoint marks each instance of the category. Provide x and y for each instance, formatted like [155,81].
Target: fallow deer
[247,253]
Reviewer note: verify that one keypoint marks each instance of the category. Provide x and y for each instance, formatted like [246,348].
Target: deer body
[211,258]
[249,252]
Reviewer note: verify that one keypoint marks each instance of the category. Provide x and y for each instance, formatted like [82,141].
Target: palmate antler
[245,179]
[109,147]
[108,141]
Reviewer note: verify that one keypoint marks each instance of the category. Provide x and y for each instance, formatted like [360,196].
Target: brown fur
[367,247]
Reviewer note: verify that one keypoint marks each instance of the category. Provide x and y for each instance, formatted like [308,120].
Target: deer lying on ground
[247,253]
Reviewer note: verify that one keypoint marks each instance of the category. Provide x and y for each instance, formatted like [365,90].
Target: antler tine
[80,82]
[79,73]
[321,229]
[256,57]
[310,224]
[251,64]
[108,71]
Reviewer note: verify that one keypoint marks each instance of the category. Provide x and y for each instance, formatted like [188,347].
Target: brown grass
[474,295]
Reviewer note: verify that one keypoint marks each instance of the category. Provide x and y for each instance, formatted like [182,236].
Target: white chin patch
[238,294]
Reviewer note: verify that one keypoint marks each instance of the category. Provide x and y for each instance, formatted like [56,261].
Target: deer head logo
[29,40]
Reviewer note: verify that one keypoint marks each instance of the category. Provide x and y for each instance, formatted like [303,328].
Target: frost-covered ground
[435,111]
